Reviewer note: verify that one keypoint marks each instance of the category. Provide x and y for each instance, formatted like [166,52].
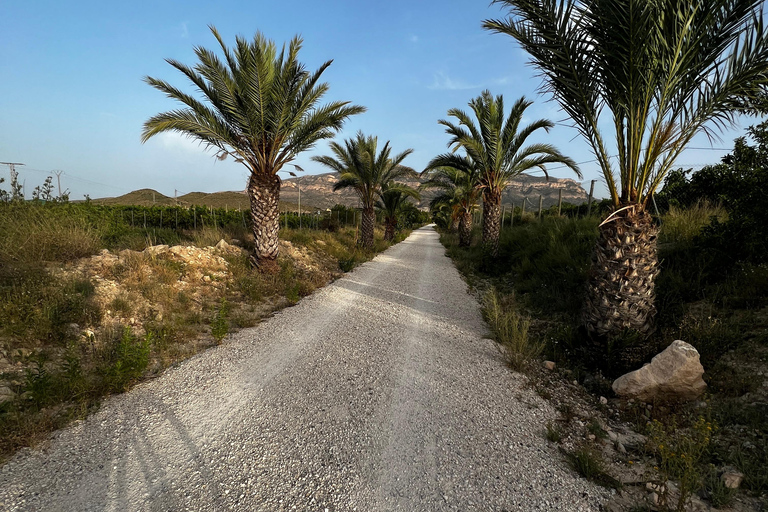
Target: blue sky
[72,96]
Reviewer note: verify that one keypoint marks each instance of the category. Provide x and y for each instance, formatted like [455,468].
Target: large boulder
[674,374]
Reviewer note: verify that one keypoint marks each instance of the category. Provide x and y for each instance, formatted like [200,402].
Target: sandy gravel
[376,393]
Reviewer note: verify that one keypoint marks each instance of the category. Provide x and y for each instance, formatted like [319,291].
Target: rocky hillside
[317,190]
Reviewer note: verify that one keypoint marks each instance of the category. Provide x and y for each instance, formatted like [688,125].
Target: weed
[127,361]
[595,429]
[589,464]
[510,330]
[679,453]
[553,433]
[718,493]
[220,323]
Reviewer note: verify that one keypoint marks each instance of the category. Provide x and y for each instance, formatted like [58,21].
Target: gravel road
[376,393]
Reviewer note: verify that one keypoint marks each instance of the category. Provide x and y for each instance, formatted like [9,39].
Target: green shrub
[679,453]
[220,322]
[510,330]
[127,360]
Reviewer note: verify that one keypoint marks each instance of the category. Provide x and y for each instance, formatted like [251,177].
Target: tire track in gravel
[378,392]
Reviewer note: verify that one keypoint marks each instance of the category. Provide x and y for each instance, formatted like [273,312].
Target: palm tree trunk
[389,230]
[465,229]
[264,193]
[367,224]
[491,220]
[620,293]
[454,227]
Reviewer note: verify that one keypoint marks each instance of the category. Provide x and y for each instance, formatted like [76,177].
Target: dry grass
[682,225]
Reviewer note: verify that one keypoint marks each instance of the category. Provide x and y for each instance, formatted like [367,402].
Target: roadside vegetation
[710,292]
[92,301]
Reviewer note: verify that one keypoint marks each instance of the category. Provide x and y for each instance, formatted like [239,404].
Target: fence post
[559,201]
[145,219]
[512,217]
[177,219]
[194,217]
[522,210]
[541,203]
[589,201]
[161,218]
[131,217]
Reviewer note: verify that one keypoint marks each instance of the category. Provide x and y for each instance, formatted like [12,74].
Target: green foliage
[510,330]
[642,64]
[278,112]
[738,184]
[126,360]
[553,433]
[365,169]
[220,322]
[34,305]
[589,464]
[679,453]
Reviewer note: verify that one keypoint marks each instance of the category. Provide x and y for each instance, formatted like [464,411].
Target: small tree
[391,203]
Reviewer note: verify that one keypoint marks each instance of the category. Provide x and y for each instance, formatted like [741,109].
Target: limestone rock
[549,365]
[6,394]
[731,478]
[675,373]
[154,250]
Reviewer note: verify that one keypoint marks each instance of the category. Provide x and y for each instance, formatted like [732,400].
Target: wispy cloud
[183,30]
[443,82]
[414,39]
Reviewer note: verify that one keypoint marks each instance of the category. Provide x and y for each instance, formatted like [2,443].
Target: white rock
[675,373]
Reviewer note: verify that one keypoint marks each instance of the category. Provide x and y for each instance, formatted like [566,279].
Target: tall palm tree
[259,107]
[663,71]
[458,181]
[393,199]
[367,172]
[496,145]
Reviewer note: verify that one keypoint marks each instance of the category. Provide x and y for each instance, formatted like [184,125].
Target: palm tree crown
[496,144]
[365,169]
[260,107]
[663,69]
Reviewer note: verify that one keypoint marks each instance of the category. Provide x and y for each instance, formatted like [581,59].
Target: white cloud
[184,31]
[414,39]
[444,82]
[177,143]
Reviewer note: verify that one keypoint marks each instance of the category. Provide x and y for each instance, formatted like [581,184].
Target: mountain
[317,191]
[149,197]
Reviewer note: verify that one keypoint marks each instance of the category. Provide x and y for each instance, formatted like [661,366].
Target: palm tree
[663,71]
[367,172]
[496,145]
[393,199]
[458,180]
[259,107]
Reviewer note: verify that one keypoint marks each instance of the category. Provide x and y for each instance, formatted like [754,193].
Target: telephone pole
[58,179]
[12,166]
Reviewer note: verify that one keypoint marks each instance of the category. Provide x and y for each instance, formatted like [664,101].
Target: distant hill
[317,190]
[149,197]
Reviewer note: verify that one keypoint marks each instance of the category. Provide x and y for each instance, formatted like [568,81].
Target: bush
[510,330]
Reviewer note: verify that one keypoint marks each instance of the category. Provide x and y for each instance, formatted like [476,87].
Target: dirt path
[377,392]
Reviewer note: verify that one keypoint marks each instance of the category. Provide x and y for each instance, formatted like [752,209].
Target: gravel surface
[378,392]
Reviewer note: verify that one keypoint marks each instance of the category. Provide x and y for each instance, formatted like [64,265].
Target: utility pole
[589,202]
[58,179]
